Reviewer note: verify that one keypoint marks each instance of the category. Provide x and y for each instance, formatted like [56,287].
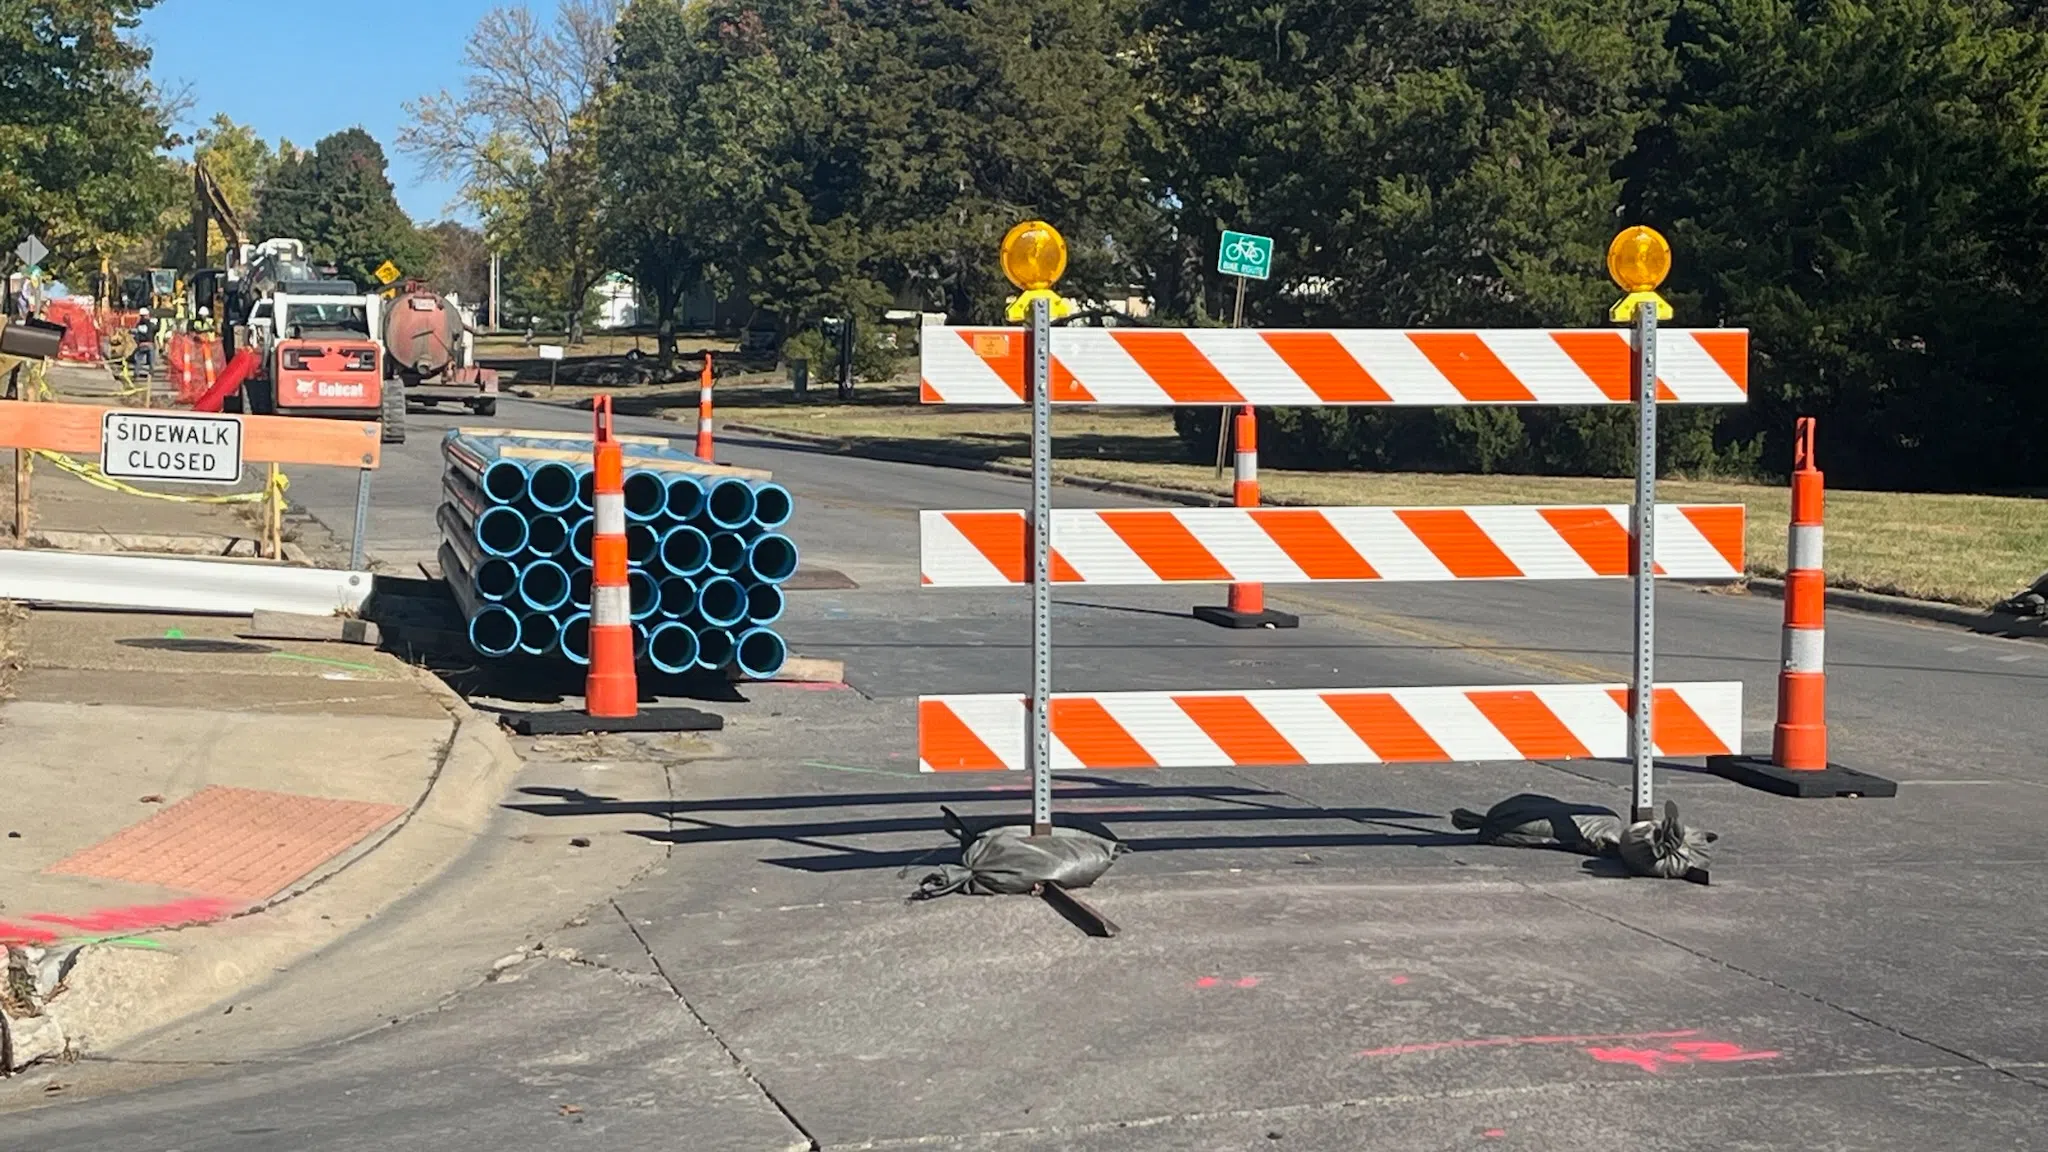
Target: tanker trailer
[429,347]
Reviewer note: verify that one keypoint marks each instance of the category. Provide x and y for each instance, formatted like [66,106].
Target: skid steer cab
[320,359]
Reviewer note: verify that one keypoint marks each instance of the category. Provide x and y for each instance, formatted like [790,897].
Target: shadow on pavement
[688,825]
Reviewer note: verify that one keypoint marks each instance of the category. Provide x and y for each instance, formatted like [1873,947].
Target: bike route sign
[1242,254]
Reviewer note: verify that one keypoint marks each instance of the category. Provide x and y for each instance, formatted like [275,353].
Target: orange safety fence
[192,362]
[81,343]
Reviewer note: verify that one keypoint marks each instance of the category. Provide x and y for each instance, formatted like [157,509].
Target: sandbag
[1666,849]
[1532,821]
[1007,860]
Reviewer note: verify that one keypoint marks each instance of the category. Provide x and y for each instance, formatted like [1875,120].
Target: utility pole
[497,266]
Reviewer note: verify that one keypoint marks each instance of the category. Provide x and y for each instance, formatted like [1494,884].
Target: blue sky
[366,58]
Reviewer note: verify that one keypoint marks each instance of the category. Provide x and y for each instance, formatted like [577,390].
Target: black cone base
[564,722]
[1827,783]
[1231,618]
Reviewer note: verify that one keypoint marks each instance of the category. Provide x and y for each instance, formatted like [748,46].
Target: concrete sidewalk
[162,772]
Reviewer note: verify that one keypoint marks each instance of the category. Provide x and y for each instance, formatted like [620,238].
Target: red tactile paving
[232,842]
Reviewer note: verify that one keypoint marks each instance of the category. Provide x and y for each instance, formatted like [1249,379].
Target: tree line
[1863,183]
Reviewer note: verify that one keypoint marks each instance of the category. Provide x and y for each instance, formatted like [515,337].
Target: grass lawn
[1972,550]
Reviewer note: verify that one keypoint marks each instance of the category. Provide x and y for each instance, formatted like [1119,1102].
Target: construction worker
[203,323]
[145,332]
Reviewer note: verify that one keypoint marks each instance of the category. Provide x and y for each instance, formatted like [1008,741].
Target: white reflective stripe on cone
[610,511]
[1803,547]
[1804,649]
[704,424]
[1247,465]
[611,605]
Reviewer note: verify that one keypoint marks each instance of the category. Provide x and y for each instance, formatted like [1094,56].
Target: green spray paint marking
[325,660]
[174,633]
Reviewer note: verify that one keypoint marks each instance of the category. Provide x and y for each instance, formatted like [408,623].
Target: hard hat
[145,311]
[205,311]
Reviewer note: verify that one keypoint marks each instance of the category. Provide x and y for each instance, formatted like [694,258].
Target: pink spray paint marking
[1493,1133]
[1652,1060]
[1240,982]
[1398,980]
[1521,1041]
[114,921]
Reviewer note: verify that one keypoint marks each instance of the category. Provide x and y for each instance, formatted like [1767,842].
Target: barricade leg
[1246,606]
[1798,764]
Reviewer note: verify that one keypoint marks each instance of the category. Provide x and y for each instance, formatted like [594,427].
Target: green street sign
[1243,254]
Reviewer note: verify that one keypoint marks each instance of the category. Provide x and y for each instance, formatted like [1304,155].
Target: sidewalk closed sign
[171,446]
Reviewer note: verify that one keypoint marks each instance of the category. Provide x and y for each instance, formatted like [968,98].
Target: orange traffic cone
[1799,741]
[1246,606]
[611,690]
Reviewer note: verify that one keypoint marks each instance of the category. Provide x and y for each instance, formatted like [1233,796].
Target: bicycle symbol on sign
[1244,252]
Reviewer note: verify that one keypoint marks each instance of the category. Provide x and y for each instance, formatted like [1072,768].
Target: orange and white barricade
[1250,545]
[1799,764]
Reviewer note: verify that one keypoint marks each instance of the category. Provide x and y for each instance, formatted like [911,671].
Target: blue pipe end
[552,486]
[722,602]
[494,631]
[685,496]
[773,506]
[574,637]
[760,653]
[714,648]
[672,648]
[772,557]
[729,504]
[764,604]
[685,550]
[544,586]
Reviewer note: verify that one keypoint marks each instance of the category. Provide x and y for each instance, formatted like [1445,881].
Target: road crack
[738,1063]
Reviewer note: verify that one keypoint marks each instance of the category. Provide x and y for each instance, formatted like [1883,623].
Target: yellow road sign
[386,272]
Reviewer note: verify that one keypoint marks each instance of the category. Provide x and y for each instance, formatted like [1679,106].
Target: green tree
[1865,186]
[81,131]
[519,134]
[661,221]
[1441,164]
[962,119]
[338,200]
[460,262]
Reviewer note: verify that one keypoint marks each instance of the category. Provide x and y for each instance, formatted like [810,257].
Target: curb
[1978,620]
[117,996]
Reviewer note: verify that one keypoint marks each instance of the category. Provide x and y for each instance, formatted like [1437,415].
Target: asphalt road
[1311,958]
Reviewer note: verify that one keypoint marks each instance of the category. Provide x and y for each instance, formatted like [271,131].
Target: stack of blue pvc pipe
[706,556]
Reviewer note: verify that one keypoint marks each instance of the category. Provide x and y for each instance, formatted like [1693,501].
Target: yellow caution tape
[89,472]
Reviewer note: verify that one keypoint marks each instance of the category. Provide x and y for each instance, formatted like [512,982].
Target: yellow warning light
[1034,255]
[1639,259]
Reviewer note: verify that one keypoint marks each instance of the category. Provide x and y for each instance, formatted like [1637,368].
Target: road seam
[811,1141]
